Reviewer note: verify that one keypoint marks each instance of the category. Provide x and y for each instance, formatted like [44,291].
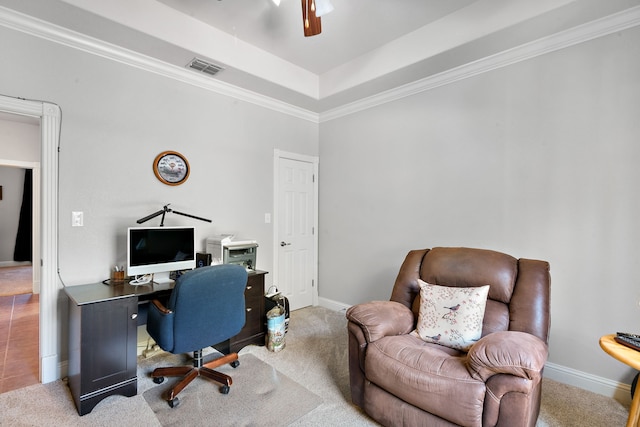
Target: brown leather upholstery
[401,380]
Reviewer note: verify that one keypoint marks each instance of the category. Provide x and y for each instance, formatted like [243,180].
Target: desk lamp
[164,211]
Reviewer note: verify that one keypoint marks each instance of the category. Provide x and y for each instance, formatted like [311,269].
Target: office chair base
[174,402]
[189,373]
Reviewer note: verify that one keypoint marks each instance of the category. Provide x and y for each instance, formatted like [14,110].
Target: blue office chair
[205,308]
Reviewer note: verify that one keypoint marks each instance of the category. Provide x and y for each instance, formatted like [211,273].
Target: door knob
[284,244]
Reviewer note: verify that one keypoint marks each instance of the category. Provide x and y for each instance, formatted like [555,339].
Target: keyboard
[629,340]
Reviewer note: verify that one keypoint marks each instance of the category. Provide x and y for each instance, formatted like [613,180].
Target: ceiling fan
[312,10]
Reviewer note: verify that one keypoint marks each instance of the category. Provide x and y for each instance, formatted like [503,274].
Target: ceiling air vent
[204,66]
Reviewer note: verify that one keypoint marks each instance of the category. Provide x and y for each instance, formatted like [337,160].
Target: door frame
[50,119]
[278,155]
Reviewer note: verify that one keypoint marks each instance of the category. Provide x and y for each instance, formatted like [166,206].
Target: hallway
[19,337]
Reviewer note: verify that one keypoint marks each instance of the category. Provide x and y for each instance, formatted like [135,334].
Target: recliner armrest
[381,318]
[507,352]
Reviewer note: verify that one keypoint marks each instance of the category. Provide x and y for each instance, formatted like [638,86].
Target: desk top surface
[621,352]
[99,292]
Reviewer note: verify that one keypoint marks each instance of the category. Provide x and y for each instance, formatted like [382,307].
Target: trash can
[275,329]
[273,298]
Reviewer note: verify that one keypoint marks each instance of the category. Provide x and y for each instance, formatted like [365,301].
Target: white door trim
[277,156]
[50,117]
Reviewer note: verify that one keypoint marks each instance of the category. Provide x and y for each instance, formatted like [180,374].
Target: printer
[225,250]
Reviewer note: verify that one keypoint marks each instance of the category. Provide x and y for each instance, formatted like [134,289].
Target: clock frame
[171,168]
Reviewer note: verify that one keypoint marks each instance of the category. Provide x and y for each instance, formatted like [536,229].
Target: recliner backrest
[519,289]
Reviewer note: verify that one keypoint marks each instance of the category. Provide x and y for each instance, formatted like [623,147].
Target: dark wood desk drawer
[254,313]
[254,328]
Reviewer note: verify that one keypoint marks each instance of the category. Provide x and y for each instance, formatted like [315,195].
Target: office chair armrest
[160,325]
[161,308]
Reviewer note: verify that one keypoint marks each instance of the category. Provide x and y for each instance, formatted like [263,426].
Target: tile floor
[19,341]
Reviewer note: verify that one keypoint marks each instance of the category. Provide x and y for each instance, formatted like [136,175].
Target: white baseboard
[606,387]
[332,305]
[14,263]
[54,368]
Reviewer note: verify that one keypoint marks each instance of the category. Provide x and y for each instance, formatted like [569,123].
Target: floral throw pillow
[451,316]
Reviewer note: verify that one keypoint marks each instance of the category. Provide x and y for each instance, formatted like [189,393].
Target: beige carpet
[259,396]
[567,406]
[315,357]
[16,280]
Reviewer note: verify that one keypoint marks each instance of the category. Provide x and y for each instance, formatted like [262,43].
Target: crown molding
[54,33]
[601,27]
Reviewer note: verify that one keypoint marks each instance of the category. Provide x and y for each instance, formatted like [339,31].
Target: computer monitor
[159,251]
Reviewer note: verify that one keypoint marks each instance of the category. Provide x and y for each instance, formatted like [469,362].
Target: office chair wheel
[173,402]
[158,380]
[224,389]
[235,363]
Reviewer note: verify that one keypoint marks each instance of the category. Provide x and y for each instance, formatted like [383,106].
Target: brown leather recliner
[400,380]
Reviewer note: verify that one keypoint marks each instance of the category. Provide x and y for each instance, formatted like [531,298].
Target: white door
[295,239]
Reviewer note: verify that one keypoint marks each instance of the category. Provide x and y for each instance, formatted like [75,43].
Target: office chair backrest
[208,305]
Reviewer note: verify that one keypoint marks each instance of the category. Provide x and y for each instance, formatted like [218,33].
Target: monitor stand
[162,278]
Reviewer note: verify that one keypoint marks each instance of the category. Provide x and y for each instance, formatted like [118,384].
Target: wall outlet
[77,219]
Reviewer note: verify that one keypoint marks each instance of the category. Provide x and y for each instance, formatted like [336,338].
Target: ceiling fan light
[323,7]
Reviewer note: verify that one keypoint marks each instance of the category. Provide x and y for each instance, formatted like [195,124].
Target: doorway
[19,247]
[19,244]
[45,208]
[295,228]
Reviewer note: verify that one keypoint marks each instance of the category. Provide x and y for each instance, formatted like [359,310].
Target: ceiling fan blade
[312,24]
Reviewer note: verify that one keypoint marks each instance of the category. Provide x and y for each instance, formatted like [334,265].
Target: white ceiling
[354,28]
[366,46]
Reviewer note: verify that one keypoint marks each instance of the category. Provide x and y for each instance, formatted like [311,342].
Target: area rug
[260,396]
[16,280]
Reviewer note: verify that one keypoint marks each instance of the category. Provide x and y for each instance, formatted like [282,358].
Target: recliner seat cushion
[427,376]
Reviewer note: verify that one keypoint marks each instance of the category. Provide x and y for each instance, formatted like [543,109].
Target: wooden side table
[629,357]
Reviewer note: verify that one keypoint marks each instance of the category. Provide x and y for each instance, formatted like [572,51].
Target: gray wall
[538,159]
[20,139]
[11,180]
[115,120]
[19,144]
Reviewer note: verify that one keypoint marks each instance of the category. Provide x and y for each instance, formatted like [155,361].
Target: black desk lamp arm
[163,212]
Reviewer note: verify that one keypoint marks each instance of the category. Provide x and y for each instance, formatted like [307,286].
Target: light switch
[77,219]
[267,218]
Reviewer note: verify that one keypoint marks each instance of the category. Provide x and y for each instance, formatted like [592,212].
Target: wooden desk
[103,331]
[629,357]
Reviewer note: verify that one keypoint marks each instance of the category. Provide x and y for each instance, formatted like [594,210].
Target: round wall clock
[171,168]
